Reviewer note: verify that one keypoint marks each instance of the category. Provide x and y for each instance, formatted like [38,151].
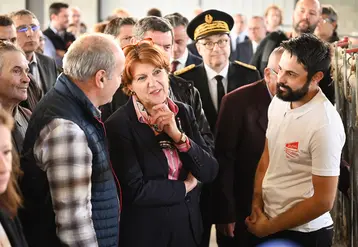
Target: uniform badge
[208,19]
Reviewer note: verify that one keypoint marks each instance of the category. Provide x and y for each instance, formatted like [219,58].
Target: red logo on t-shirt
[291,150]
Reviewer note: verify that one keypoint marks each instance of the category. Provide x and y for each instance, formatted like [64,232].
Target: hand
[253,216]
[164,118]
[190,182]
[258,223]
[226,229]
[60,53]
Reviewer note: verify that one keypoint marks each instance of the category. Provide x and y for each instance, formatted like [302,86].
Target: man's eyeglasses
[210,45]
[327,20]
[273,72]
[23,29]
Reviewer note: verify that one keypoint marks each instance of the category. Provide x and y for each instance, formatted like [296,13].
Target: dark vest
[58,42]
[68,102]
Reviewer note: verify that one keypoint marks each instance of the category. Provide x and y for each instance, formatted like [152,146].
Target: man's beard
[308,29]
[290,95]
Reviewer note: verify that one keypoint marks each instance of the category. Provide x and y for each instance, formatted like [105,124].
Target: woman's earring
[132,93]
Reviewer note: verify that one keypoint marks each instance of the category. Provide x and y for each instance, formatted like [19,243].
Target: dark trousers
[320,238]
[205,240]
[241,237]
[225,241]
[206,211]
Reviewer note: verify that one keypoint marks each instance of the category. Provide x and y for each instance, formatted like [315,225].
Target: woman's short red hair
[143,52]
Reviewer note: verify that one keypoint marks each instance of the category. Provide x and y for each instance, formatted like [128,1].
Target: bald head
[91,53]
[275,57]
[312,2]
[270,72]
[306,16]
[256,28]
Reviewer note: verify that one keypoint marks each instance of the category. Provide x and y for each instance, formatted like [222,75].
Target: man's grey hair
[23,12]
[89,54]
[7,46]
[113,27]
[177,19]
[151,23]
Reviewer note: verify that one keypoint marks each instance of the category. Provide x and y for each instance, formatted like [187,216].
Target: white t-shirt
[4,240]
[302,141]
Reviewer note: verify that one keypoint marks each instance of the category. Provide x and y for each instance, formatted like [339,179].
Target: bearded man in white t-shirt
[297,175]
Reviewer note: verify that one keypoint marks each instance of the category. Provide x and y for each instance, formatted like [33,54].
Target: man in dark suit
[240,139]
[56,32]
[238,34]
[257,32]
[182,57]
[214,77]
[42,68]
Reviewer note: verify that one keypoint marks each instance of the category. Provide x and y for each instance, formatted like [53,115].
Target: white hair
[89,54]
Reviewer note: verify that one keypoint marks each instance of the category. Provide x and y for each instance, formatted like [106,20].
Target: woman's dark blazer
[13,229]
[151,201]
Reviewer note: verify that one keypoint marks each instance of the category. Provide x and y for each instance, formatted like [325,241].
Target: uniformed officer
[215,77]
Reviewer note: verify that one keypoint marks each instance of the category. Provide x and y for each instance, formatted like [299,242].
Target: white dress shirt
[210,73]
[254,46]
[181,60]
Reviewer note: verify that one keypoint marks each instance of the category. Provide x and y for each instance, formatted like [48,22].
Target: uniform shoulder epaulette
[249,66]
[183,70]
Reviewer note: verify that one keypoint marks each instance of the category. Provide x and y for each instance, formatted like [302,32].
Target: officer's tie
[220,89]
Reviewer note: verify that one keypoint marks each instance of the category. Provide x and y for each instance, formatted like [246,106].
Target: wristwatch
[183,138]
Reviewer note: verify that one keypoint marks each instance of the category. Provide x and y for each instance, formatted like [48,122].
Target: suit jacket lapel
[147,136]
[42,68]
[264,99]
[232,80]
[188,60]
[203,87]
[250,51]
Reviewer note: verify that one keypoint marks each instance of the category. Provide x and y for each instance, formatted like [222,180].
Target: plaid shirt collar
[66,86]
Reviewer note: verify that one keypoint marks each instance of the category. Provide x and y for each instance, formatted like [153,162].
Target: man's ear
[100,78]
[267,73]
[52,16]
[334,25]
[133,41]
[198,47]
[316,78]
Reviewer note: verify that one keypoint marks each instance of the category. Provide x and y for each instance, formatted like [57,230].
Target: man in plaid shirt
[68,186]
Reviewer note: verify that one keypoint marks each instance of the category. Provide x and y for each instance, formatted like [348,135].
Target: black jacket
[57,41]
[244,51]
[48,71]
[151,201]
[193,59]
[263,51]
[192,49]
[13,229]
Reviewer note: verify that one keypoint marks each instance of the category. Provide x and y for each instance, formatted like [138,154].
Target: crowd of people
[147,132]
